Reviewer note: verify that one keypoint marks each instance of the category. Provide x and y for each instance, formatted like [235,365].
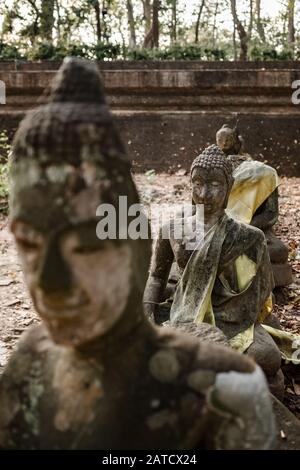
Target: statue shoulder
[34,340]
[21,387]
[239,232]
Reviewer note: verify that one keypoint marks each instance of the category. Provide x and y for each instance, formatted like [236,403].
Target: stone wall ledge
[168,111]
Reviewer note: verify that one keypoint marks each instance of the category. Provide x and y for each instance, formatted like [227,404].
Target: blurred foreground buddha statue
[254,198]
[95,374]
[225,279]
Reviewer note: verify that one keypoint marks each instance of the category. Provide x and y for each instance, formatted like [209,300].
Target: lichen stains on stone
[162,418]
[164,366]
[201,380]
[77,391]
[35,390]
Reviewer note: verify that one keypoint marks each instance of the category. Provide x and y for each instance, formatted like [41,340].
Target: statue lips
[208,207]
[55,305]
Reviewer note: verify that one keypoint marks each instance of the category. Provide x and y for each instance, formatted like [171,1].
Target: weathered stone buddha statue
[226,280]
[254,198]
[96,374]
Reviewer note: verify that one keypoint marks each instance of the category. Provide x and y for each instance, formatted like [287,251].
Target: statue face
[225,139]
[79,284]
[228,141]
[210,187]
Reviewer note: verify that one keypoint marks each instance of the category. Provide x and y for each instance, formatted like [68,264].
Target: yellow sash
[254,182]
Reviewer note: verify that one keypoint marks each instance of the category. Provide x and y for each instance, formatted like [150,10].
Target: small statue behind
[254,199]
[95,374]
[226,279]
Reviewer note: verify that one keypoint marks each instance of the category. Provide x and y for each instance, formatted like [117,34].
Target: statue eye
[27,238]
[27,245]
[85,250]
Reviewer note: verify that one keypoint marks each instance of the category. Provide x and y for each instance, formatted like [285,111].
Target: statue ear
[230,184]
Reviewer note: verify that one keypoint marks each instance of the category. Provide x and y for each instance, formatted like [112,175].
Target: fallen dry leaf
[296,387]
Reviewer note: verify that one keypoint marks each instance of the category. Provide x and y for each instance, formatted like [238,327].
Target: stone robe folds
[227,282]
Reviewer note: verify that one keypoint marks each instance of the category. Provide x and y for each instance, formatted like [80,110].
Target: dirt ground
[17,312]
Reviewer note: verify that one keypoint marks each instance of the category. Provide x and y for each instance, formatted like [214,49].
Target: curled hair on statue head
[213,158]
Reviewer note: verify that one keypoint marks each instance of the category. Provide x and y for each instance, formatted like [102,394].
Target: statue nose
[204,192]
[54,274]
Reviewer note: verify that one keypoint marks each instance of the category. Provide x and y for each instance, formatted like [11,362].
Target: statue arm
[158,277]
[12,407]
[21,392]
[240,412]
[267,214]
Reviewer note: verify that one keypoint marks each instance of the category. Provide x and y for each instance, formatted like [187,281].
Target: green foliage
[3,188]
[9,52]
[43,51]
[3,181]
[177,52]
[4,149]
[265,53]
[106,51]
[53,29]
[48,51]
[110,51]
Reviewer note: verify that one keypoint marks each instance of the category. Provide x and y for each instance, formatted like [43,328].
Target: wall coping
[19,65]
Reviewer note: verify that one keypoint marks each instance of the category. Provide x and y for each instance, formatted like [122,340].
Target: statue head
[212,180]
[67,160]
[229,140]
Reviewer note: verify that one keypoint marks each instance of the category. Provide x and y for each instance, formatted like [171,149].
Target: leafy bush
[267,53]
[51,52]
[110,51]
[48,51]
[106,51]
[9,52]
[4,150]
[4,147]
[177,52]
[3,181]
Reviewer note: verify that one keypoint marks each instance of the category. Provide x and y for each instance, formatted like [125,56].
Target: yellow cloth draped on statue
[254,183]
[193,297]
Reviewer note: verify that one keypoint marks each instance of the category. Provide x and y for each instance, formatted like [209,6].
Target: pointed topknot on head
[228,139]
[77,81]
[74,124]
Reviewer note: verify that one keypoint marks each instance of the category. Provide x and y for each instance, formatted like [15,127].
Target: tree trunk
[241,32]
[250,20]
[97,9]
[47,19]
[174,22]
[58,24]
[131,24]
[155,22]
[146,18]
[215,24]
[291,23]
[152,37]
[147,15]
[259,25]
[234,41]
[198,21]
